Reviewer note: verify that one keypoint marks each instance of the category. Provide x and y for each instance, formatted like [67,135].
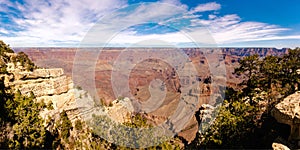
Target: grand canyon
[149,74]
[212,78]
[65,58]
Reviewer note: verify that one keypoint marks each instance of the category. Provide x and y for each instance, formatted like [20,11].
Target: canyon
[101,73]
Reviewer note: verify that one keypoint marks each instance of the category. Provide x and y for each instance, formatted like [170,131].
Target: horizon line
[123,47]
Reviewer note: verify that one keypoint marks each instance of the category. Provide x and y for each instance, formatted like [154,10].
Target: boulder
[278,146]
[288,112]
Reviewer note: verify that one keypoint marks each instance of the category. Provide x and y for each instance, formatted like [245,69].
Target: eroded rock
[44,87]
[278,146]
[288,112]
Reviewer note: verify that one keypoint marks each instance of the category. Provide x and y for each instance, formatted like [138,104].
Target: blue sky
[222,23]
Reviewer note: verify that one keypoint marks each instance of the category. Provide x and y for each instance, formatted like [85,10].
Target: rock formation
[47,85]
[278,146]
[120,110]
[288,112]
[205,117]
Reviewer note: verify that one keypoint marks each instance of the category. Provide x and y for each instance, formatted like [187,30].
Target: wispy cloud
[211,30]
[230,28]
[65,22]
[43,21]
[216,30]
[176,3]
[120,23]
[206,7]
[4,31]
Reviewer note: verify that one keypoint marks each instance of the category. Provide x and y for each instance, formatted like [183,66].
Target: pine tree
[65,125]
[28,128]
[231,127]
[291,63]
[249,66]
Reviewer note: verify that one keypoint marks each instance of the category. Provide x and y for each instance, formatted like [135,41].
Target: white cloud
[115,23]
[212,16]
[4,31]
[230,28]
[132,38]
[206,7]
[176,3]
[66,22]
[214,30]
[57,20]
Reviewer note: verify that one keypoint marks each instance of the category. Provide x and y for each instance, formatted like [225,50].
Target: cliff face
[42,82]
[44,86]
[47,85]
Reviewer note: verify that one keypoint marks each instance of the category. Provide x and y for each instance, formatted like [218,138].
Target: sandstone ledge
[288,111]
[42,73]
[44,87]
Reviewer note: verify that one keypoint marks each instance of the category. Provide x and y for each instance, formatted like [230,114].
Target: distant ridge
[262,52]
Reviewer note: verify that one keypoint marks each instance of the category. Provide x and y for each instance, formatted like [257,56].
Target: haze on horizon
[162,23]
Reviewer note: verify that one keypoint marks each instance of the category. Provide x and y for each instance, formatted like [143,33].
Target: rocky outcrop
[47,85]
[205,113]
[288,112]
[42,82]
[278,146]
[205,117]
[43,73]
[120,110]
[190,130]
[44,87]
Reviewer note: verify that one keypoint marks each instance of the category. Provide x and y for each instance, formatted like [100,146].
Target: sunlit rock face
[42,82]
[288,112]
[47,85]
[43,87]
[120,110]
[278,146]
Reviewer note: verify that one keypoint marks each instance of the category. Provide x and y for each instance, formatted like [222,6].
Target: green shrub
[78,125]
